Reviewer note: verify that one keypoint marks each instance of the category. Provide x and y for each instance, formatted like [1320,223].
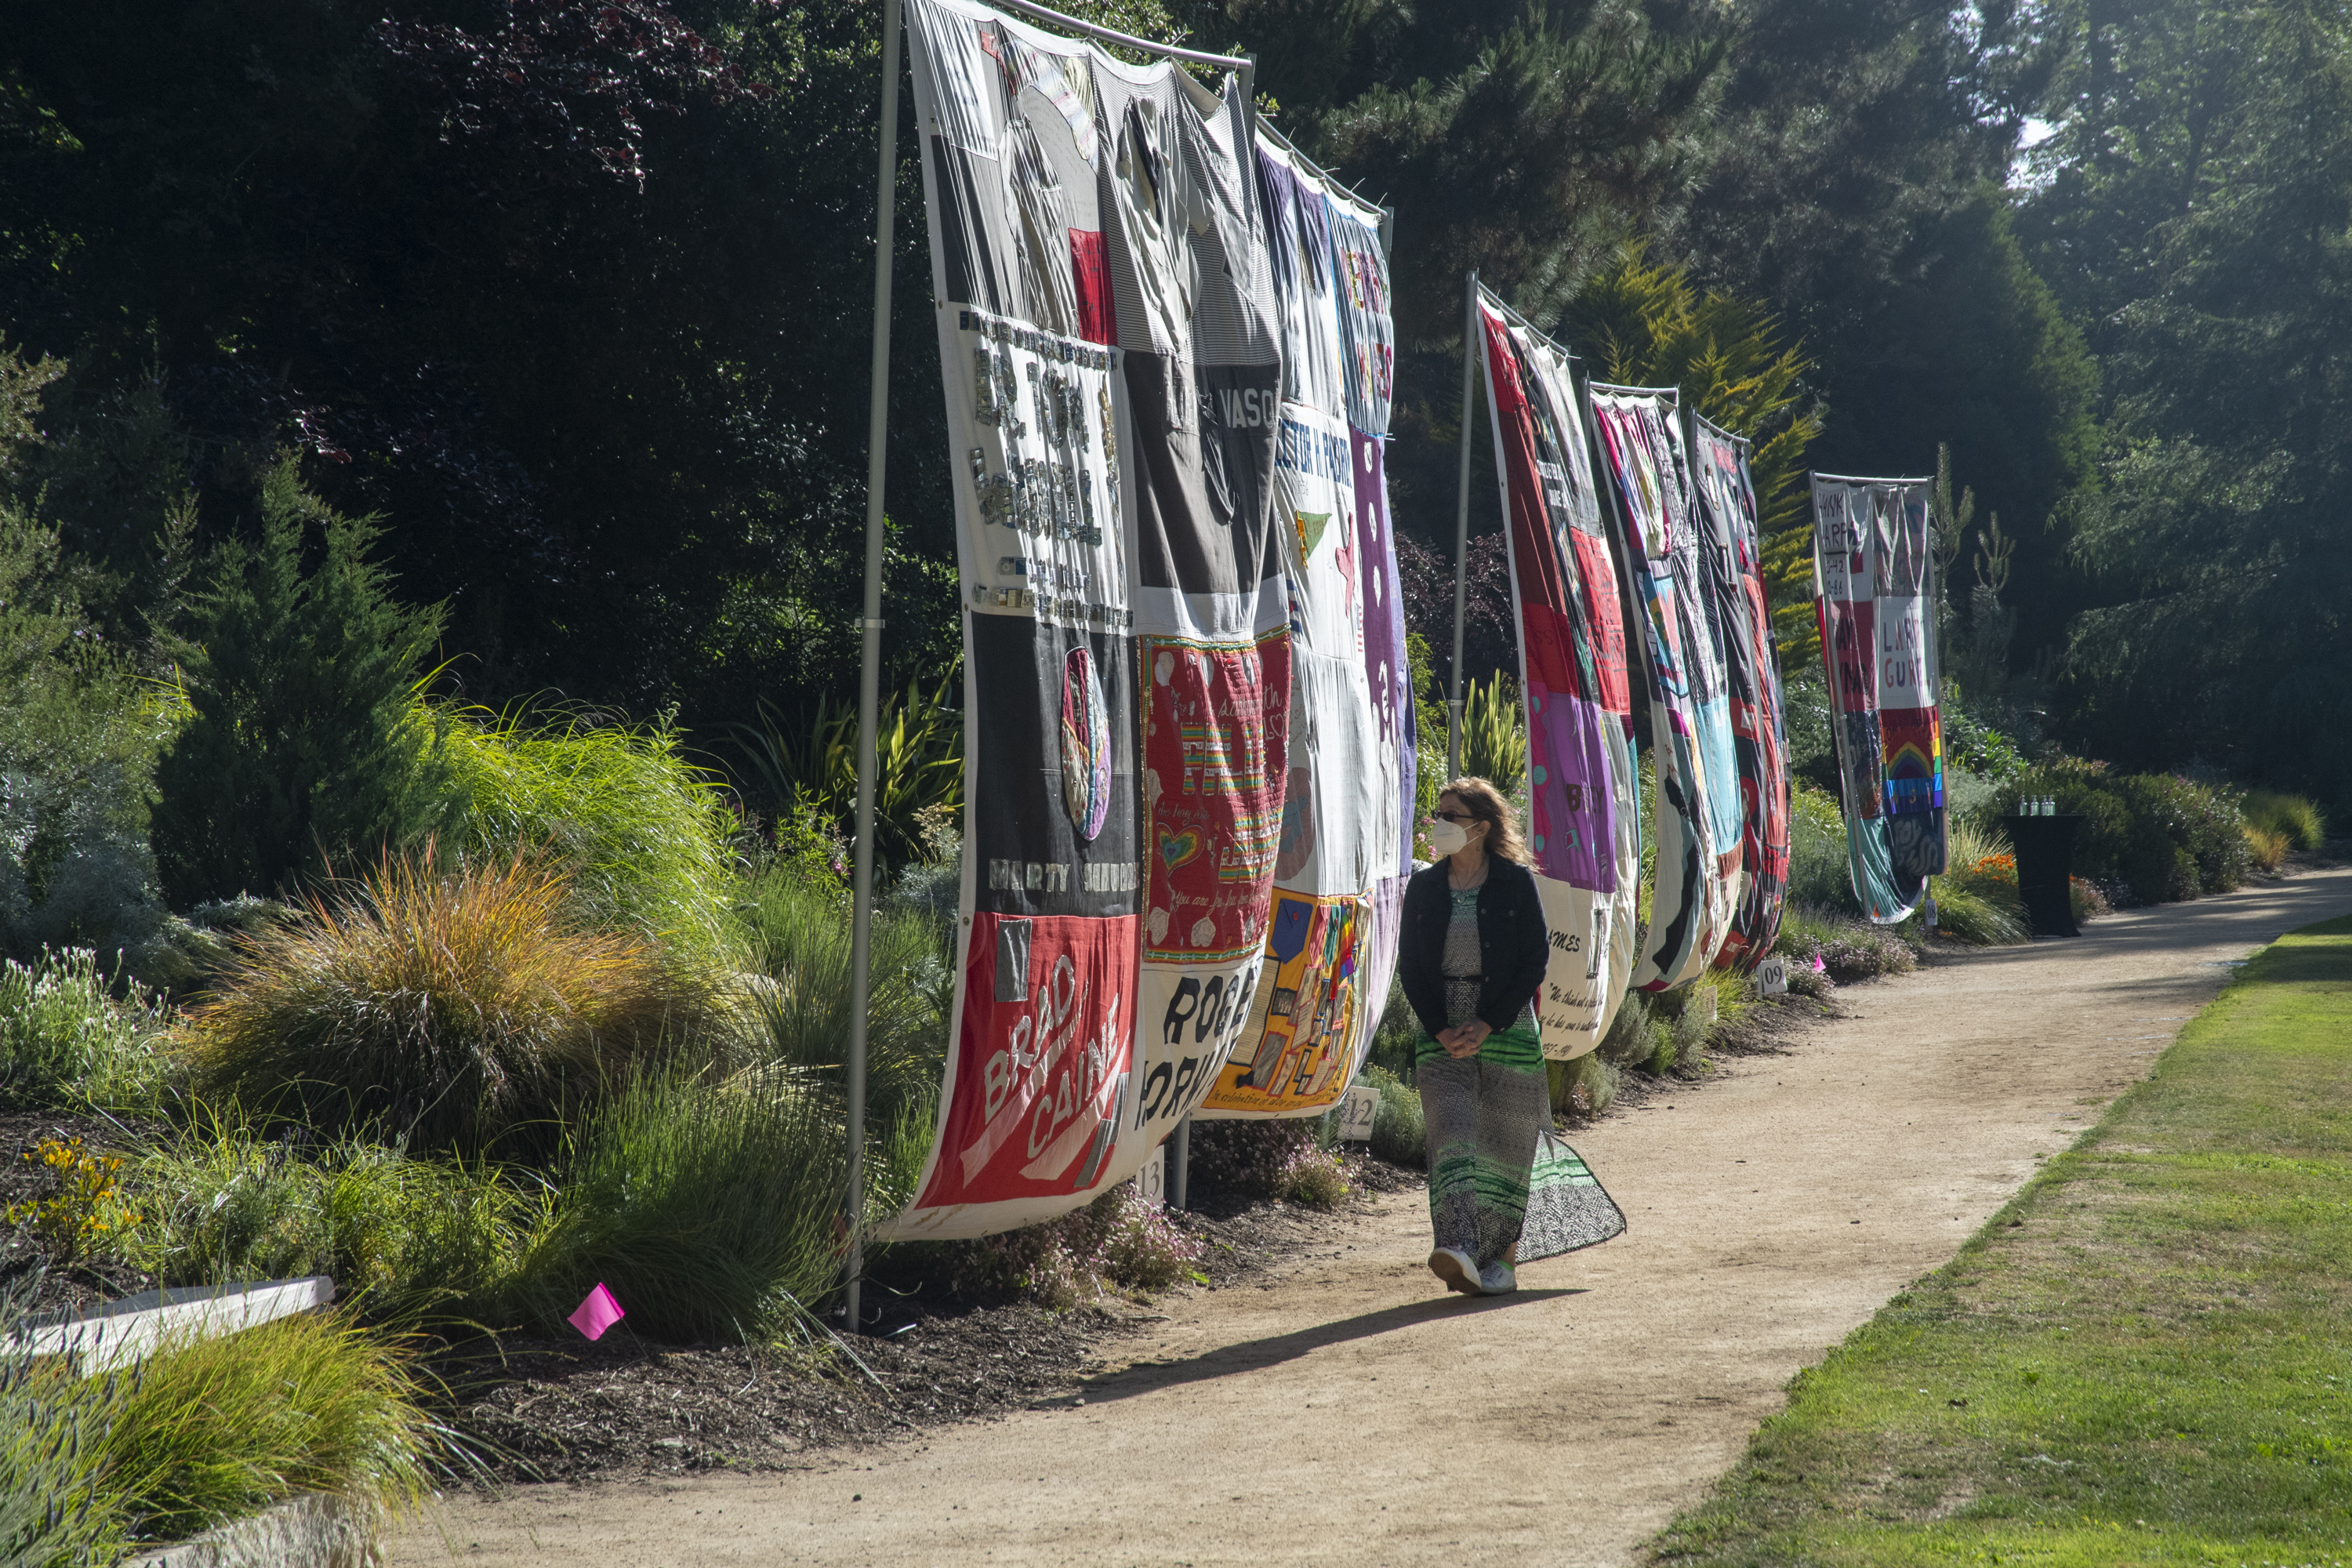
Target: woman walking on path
[1471,955]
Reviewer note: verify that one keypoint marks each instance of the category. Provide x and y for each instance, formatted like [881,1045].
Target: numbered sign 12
[1358,1107]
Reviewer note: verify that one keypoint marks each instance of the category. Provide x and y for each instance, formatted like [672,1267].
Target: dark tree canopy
[2194,212]
[574,295]
[571,295]
[1858,185]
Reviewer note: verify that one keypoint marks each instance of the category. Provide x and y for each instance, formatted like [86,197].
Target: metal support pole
[1180,1180]
[869,665]
[1462,529]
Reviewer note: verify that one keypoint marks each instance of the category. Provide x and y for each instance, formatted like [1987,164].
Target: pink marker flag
[598,1314]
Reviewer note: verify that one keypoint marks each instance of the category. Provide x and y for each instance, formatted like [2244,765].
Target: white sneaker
[1457,1268]
[1497,1278]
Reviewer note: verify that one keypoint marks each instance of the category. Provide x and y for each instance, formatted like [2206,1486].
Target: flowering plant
[85,1204]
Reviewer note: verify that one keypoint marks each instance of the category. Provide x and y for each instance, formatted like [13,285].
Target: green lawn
[2143,1359]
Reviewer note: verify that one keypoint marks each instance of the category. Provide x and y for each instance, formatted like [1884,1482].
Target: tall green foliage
[1493,734]
[302,750]
[1429,731]
[55,1505]
[1856,186]
[1649,325]
[2191,210]
[78,733]
[709,1209]
[110,476]
[1528,141]
[810,768]
[79,738]
[640,832]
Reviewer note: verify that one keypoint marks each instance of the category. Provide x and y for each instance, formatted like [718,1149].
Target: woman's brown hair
[1486,802]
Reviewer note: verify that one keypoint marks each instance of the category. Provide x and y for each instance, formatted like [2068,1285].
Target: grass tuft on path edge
[2145,1358]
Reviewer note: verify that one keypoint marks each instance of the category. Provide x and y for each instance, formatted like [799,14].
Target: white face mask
[1445,838]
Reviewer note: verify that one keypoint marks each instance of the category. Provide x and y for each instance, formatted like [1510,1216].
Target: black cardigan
[1513,944]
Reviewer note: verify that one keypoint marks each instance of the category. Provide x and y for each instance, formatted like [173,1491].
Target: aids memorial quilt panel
[1584,823]
[1040,1076]
[1390,681]
[1367,366]
[1728,509]
[1694,600]
[1870,574]
[1202,335]
[1310,1016]
[1367,329]
[1690,894]
[1048,170]
[1910,727]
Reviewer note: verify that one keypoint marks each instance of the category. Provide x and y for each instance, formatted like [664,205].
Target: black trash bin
[2045,864]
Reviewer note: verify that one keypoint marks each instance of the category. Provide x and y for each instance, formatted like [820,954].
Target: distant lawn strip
[2146,1358]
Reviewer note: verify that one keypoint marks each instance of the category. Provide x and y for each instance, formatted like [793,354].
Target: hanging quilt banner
[1698,814]
[1871,590]
[1110,359]
[1727,496]
[1327,954]
[1583,779]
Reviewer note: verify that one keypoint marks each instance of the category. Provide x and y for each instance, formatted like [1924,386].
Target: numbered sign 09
[1356,1109]
[1772,977]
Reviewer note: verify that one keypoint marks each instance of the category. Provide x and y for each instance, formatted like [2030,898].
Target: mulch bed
[1769,1026]
[567,1410]
[544,1410]
[541,1409]
[84,1284]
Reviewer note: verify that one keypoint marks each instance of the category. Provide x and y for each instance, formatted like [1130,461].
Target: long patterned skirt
[1482,1119]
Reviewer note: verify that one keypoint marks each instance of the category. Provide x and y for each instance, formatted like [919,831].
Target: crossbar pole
[1319,172]
[1113,36]
[1462,529]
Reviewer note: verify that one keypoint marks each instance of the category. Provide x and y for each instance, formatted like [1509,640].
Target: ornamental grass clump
[639,832]
[212,1429]
[55,1505]
[2290,818]
[796,935]
[1976,897]
[709,1209]
[399,1232]
[460,1011]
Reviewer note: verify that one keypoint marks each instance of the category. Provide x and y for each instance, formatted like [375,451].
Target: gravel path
[1346,1412]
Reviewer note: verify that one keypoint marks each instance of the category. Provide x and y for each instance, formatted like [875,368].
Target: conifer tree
[304,755]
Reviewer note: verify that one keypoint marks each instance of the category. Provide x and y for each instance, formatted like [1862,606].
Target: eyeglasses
[1454,817]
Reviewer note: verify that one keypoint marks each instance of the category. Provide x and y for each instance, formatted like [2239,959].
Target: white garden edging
[124,1330]
[313,1531]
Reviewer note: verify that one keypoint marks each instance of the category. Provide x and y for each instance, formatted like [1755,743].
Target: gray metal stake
[869,667]
[1462,531]
[1181,1179]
